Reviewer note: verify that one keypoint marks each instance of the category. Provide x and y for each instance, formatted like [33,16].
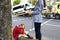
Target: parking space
[50,30]
[50,27]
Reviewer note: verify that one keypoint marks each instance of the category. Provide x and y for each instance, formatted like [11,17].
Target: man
[37,18]
[19,31]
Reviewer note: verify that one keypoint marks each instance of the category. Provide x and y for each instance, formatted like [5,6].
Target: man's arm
[38,8]
[35,12]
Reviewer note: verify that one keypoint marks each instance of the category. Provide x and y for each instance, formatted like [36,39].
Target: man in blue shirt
[37,18]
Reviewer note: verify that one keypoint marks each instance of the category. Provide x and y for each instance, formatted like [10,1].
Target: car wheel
[49,16]
[57,17]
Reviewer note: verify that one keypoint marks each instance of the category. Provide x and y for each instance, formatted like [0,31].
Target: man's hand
[20,35]
[23,35]
[29,12]
[26,32]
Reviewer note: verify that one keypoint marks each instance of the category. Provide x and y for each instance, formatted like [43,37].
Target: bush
[49,7]
[16,2]
[33,2]
[46,13]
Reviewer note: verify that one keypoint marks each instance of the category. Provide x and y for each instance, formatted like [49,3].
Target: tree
[49,7]
[33,2]
[5,20]
[16,2]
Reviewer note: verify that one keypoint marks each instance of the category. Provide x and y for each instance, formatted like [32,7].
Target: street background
[50,23]
[50,27]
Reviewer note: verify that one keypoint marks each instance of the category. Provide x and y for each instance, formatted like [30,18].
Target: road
[50,27]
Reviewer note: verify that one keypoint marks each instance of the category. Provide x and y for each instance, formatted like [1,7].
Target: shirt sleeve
[38,8]
[36,12]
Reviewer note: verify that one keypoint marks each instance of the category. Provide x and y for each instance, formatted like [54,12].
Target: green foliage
[46,13]
[16,2]
[33,2]
[49,7]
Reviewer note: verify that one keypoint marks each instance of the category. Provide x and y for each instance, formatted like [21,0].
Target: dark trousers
[37,30]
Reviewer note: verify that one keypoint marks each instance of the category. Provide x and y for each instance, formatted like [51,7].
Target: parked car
[21,8]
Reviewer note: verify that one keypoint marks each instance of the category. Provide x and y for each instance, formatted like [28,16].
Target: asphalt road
[50,27]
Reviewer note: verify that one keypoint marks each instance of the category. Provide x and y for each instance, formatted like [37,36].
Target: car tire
[49,16]
[57,17]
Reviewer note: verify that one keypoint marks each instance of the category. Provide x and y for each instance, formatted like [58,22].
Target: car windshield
[58,6]
[58,0]
[18,7]
[26,5]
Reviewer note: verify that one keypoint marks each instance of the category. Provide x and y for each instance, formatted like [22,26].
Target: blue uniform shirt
[37,14]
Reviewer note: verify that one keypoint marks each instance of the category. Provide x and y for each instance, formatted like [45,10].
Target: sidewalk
[45,38]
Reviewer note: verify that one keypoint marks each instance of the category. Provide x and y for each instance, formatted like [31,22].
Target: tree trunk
[5,20]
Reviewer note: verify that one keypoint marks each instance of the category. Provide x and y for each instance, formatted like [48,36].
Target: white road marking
[53,25]
[30,29]
[46,22]
[41,24]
